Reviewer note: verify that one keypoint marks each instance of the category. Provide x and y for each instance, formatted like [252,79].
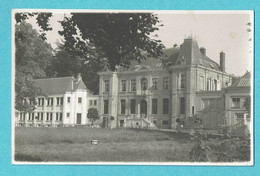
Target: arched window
[144,84]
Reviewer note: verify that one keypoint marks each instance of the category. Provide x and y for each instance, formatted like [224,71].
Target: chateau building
[160,96]
[149,94]
[66,103]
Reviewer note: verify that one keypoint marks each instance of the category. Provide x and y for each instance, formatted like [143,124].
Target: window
[193,110]
[215,86]
[95,102]
[201,83]
[47,116]
[166,83]
[58,116]
[154,106]
[235,103]
[59,101]
[106,85]
[133,85]
[39,116]
[79,100]
[182,105]
[105,106]
[31,102]
[68,114]
[50,116]
[183,81]
[144,84]
[123,85]
[165,106]
[68,99]
[123,106]
[90,102]
[133,104]
[50,101]
[155,84]
[165,122]
[40,101]
[208,84]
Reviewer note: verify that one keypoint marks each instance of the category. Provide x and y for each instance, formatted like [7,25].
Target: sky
[214,30]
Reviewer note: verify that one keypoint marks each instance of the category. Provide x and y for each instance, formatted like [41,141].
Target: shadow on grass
[22,157]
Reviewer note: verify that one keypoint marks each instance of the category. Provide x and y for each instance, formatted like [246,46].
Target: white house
[66,103]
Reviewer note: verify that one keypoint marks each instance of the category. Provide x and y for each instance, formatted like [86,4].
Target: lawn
[74,145]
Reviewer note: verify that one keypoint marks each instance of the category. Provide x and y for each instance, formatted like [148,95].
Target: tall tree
[32,58]
[118,37]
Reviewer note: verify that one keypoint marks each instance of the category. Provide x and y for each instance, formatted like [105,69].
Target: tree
[118,37]
[32,58]
[42,20]
[98,39]
[247,105]
[93,115]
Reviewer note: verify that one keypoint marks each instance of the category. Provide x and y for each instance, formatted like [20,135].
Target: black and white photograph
[136,87]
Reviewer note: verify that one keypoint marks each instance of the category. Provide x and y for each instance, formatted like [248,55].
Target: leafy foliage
[217,149]
[118,37]
[93,115]
[42,20]
[32,58]
[247,104]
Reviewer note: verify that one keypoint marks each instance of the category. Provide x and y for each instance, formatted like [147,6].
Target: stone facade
[162,95]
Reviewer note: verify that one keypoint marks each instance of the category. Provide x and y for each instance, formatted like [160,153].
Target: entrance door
[78,118]
[143,108]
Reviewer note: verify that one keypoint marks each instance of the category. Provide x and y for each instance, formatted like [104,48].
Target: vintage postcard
[135,87]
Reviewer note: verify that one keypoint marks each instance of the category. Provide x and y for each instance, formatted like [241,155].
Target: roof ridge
[56,78]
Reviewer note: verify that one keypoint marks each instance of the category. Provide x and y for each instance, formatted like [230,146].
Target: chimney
[222,60]
[203,50]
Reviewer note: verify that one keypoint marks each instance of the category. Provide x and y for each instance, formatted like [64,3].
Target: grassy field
[73,145]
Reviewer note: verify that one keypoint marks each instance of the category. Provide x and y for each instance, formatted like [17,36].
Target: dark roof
[60,85]
[189,51]
[152,62]
[244,81]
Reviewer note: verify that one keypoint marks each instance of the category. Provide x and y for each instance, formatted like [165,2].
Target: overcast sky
[218,31]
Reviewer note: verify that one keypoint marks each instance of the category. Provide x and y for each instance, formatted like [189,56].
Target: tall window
[201,83]
[106,85]
[59,100]
[183,81]
[105,106]
[166,83]
[208,84]
[123,106]
[133,85]
[235,102]
[166,106]
[215,85]
[133,102]
[155,83]
[90,102]
[50,101]
[144,84]
[154,106]
[58,116]
[182,105]
[123,85]
[40,101]
[68,99]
